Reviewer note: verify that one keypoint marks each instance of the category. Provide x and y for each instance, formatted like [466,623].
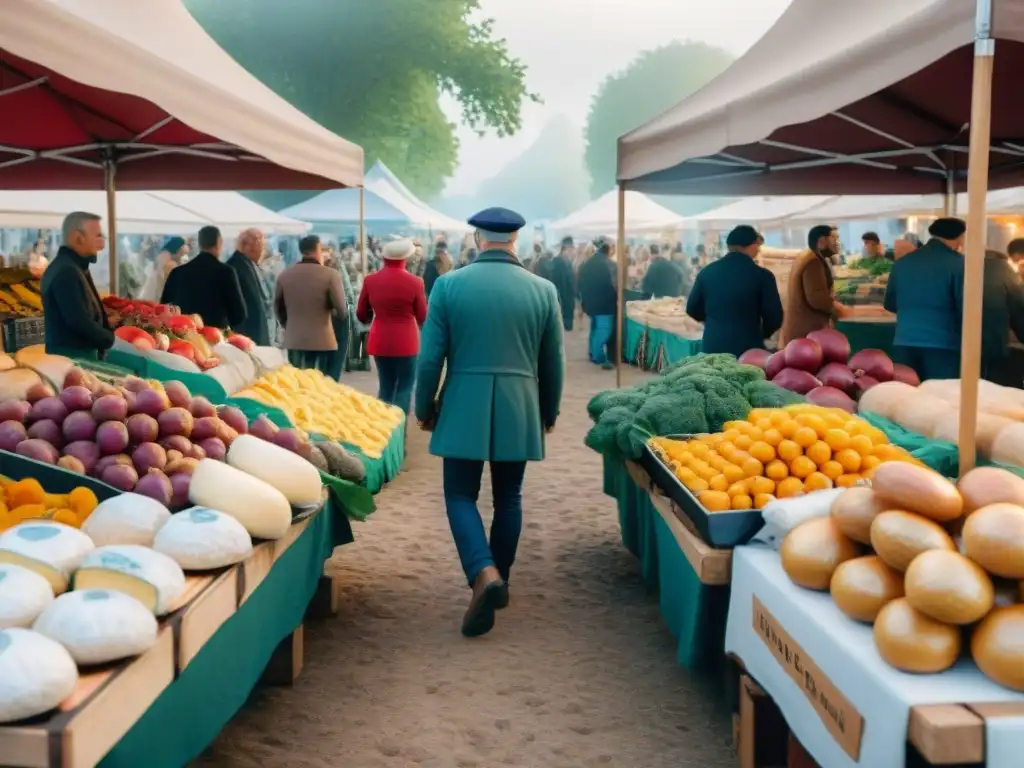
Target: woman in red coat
[395,301]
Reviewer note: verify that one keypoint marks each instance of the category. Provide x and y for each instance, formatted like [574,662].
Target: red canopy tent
[115,94]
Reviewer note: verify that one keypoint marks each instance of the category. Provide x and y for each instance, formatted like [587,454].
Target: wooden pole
[620,304]
[362,228]
[974,260]
[109,172]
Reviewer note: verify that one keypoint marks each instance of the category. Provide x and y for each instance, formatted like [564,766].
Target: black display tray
[722,530]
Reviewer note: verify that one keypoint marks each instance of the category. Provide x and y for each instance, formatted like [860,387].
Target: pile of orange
[26,499]
[777,453]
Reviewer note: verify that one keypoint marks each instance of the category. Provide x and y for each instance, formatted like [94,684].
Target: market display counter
[691,578]
[653,349]
[868,333]
[844,704]
[165,707]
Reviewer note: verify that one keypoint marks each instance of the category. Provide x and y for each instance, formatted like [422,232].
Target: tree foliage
[372,71]
[655,81]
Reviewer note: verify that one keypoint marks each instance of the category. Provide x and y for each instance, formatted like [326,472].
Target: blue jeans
[395,379]
[601,327]
[461,491]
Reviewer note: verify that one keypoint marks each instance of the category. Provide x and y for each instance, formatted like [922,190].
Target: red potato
[14,410]
[40,450]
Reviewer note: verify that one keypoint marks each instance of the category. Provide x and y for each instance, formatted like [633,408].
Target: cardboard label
[837,713]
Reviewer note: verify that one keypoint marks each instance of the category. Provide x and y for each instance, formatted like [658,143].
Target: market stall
[659,332]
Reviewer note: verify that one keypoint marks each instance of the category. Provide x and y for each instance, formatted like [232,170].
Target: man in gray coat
[306,297]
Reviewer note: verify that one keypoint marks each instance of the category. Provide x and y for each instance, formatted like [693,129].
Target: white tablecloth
[844,651]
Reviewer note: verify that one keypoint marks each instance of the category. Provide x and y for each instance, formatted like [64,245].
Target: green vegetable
[764,394]
[611,398]
[722,408]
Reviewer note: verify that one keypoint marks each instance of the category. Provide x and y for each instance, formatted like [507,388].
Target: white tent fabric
[155,50]
[761,211]
[601,216]
[144,213]
[871,207]
[383,182]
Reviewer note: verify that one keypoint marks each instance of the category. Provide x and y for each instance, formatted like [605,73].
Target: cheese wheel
[813,550]
[53,550]
[863,586]
[854,511]
[948,587]
[259,507]
[151,577]
[998,646]
[98,625]
[288,472]
[898,537]
[901,485]
[200,539]
[23,596]
[36,674]
[993,537]
[129,518]
[912,642]
[983,486]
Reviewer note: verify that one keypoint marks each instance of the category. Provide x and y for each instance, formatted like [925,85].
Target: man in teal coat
[494,333]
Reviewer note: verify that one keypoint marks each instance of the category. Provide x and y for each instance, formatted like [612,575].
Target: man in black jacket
[76,323]
[663,277]
[245,260]
[598,293]
[564,277]
[206,286]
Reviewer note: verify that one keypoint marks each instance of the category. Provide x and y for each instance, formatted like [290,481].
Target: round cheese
[912,642]
[259,507]
[998,646]
[23,596]
[813,550]
[98,625]
[152,578]
[53,550]
[36,674]
[901,485]
[990,485]
[949,588]
[993,537]
[863,586]
[288,472]
[129,518]
[854,511]
[898,537]
[199,539]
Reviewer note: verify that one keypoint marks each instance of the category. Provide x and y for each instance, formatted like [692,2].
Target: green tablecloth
[868,334]
[189,714]
[142,366]
[694,613]
[659,348]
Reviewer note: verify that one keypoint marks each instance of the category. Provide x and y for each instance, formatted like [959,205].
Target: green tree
[655,81]
[372,71]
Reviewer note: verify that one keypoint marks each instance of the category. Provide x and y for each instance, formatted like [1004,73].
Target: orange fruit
[706,472]
[855,427]
[788,450]
[743,442]
[861,444]
[700,450]
[886,452]
[802,467]
[759,485]
[737,489]
[776,470]
[869,462]
[752,467]
[731,435]
[805,437]
[763,424]
[696,484]
[66,516]
[762,500]
[717,462]
[787,428]
[732,473]
[816,481]
[819,453]
[714,501]
[725,448]
[756,414]
[778,416]
[742,501]
[847,481]
[739,426]
[772,436]
[762,451]
[718,483]
[850,459]
[831,469]
[837,439]
[813,421]
[791,486]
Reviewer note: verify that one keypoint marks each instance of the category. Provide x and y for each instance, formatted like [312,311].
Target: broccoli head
[722,408]
[632,437]
[603,436]
[679,413]
[764,394]
[612,398]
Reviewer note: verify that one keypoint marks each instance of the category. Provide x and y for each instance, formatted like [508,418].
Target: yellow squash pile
[316,403]
[23,500]
[20,299]
[778,453]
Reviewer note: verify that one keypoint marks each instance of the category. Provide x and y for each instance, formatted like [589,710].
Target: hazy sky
[569,46]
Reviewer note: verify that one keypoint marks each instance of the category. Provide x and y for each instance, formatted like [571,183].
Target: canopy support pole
[620,304]
[109,173]
[974,260]
[949,200]
[362,229]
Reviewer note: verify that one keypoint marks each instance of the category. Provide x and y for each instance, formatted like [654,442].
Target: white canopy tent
[765,212]
[871,207]
[385,184]
[600,217]
[232,212]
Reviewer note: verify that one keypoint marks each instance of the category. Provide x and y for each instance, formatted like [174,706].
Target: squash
[990,485]
[993,537]
[921,414]
[288,472]
[907,486]
[912,642]
[886,399]
[948,587]
[898,537]
[863,586]
[1008,447]
[987,429]
[258,506]
[998,646]
[6,362]
[15,383]
[854,511]
[813,550]
[53,368]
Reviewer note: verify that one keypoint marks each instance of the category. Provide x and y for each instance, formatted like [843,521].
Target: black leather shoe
[503,597]
[479,618]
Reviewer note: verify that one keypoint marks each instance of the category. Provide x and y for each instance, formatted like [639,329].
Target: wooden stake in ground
[620,304]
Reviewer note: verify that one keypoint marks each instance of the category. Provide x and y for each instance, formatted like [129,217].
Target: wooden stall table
[233,628]
[691,578]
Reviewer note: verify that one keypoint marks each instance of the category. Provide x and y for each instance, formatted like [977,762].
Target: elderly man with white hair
[245,261]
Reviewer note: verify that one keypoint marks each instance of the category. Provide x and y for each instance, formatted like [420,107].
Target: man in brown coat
[306,296]
[810,302]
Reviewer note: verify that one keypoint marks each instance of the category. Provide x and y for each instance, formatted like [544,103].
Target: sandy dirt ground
[579,670]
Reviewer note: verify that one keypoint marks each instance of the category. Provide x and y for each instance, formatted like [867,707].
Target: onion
[838,376]
[207,426]
[774,364]
[234,418]
[175,421]
[129,398]
[79,425]
[179,489]
[263,428]
[755,357]
[178,394]
[201,407]
[110,408]
[289,439]
[135,384]
[84,451]
[804,355]
[71,464]
[795,380]
[142,429]
[864,383]
[48,430]
[112,438]
[173,455]
[76,377]
[185,466]
[835,347]
[122,477]
[177,443]
[48,408]
[37,392]
[14,410]
[149,456]
[11,433]
[214,447]
[151,402]
[197,452]
[109,461]
[156,485]
[76,398]
[874,363]
[830,397]
[40,450]
[906,375]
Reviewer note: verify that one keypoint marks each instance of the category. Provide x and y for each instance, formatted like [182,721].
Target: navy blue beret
[500,220]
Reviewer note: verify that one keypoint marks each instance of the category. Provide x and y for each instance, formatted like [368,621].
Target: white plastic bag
[783,515]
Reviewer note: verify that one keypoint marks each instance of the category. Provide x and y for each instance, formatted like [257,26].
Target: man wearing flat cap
[498,329]
[926,291]
[736,299]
